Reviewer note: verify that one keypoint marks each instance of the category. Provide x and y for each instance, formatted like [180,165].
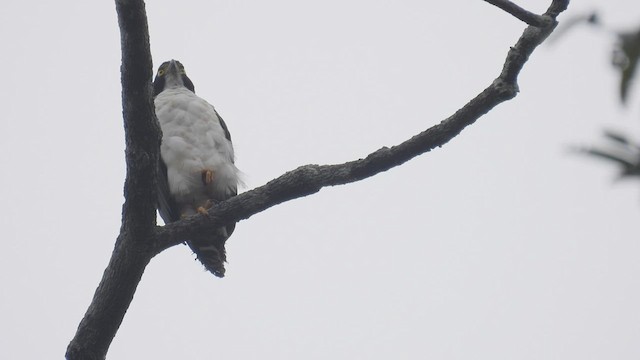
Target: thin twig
[515,10]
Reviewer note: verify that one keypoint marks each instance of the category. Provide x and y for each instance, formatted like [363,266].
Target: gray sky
[500,245]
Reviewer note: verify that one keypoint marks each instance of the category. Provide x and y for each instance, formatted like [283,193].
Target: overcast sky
[500,245]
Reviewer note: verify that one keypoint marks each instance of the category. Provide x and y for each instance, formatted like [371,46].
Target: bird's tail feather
[211,253]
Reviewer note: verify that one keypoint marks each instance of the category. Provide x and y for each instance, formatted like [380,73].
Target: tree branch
[515,10]
[140,239]
[133,247]
[309,179]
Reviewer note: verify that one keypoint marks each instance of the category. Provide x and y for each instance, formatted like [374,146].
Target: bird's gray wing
[167,206]
[234,190]
[227,134]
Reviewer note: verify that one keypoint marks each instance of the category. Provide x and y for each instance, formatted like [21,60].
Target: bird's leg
[207,177]
[204,209]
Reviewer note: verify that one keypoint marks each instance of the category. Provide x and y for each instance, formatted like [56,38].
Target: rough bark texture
[309,179]
[134,245]
[140,239]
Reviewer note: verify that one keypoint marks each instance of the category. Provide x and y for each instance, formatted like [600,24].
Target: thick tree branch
[133,246]
[309,179]
[140,239]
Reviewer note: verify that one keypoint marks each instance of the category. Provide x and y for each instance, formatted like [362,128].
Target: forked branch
[309,179]
[140,239]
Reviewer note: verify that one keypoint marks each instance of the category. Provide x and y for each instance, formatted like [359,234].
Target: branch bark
[309,179]
[520,13]
[140,239]
[134,245]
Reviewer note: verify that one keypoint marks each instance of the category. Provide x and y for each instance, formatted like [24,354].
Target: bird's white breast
[193,140]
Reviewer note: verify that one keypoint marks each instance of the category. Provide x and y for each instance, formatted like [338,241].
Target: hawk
[196,167]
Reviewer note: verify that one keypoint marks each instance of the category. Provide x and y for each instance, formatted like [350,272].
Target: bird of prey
[196,167]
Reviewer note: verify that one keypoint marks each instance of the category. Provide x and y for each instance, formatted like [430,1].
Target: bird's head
[171,74]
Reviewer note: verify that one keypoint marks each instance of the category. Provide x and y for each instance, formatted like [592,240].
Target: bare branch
[515,10]
[133,247]
[140,239]
[309,179]
[556,7]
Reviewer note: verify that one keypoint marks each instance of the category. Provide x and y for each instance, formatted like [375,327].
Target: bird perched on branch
[196,167]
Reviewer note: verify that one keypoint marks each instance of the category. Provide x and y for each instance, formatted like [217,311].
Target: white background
[501,245]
